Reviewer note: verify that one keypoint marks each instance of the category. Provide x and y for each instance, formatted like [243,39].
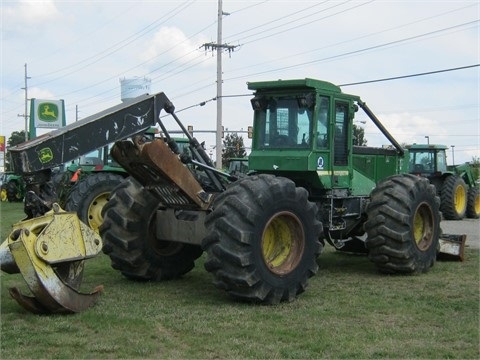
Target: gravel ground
[469,227]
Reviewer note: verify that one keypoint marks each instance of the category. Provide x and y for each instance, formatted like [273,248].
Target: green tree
[476,167]
[359,136]
[233,147]
[16,138]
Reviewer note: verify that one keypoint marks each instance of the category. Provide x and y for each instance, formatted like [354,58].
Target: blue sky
[79,50]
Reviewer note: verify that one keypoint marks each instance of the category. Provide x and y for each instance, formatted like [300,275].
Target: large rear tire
[473,203]
[453,198]
[90,195]
[263,239]
[403,225]
[129,237]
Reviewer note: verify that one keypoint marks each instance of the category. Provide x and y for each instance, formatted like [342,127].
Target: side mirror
[259,103]
[306,101]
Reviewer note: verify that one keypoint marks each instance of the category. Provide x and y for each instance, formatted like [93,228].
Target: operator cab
[427,160]
[302,129]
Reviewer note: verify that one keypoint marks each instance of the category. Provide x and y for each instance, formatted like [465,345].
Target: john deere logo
[48,112]
[45,155]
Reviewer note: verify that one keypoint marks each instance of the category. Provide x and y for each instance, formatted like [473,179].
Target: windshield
[424,161]
[284,124]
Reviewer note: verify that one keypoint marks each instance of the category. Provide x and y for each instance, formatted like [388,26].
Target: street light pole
[428,139]
[453,154]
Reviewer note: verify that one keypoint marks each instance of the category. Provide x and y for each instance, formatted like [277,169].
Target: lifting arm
[76,139]
[380,126]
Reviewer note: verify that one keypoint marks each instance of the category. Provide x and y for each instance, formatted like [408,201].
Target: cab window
[284,124]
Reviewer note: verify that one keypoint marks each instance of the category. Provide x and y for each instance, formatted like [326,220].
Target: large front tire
[453,198]
[403,225]
[263,239]
[129,236]
[473,203]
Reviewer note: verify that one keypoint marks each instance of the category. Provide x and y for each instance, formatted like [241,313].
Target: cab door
[341,154]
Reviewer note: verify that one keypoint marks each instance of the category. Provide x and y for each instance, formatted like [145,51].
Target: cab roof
[427,147]
[318,85]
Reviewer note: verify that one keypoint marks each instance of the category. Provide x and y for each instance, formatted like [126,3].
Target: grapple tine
[29,303]
[49,253]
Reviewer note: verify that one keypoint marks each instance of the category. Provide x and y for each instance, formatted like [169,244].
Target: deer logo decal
[48,112]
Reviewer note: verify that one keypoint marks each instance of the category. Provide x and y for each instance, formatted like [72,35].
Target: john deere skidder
[262,233]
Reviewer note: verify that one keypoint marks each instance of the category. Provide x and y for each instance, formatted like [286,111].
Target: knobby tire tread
[390,240]
[128,232]
[234,232]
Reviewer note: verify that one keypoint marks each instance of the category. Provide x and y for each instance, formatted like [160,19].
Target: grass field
[348,311]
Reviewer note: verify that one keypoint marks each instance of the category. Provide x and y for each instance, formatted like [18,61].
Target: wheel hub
[423,226]
[460,199]
[95,217]
[283,243]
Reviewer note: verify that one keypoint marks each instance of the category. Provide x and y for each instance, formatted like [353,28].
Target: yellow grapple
[50,251]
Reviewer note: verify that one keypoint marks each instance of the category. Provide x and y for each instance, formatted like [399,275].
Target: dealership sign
[46,114]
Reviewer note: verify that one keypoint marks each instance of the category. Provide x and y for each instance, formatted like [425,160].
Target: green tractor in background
[459,194]
[12,188]
[84,186]
[238,166]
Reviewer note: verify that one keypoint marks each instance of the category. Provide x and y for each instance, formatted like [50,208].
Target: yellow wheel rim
[4,195]
[95,218]
[283,243]
[423,227]
[460,199]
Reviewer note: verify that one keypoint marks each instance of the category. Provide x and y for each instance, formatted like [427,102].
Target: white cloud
[39,93]
[171,43]
[29,12]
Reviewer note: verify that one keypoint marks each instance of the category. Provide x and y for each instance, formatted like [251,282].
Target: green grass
[348,311]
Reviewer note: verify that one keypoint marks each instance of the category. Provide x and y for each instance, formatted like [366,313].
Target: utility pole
[219,47]
[25,114]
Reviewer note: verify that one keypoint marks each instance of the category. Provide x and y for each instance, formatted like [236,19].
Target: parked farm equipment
[262,233]
[456,184]
[12,188]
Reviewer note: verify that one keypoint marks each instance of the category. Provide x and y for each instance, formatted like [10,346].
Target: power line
[384,79]
[178,72]
[411,75]
[290,56]
[358,51]
[115,47]
[276,20]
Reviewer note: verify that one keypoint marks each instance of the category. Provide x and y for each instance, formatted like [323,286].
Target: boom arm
[380,126]
[70,142]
